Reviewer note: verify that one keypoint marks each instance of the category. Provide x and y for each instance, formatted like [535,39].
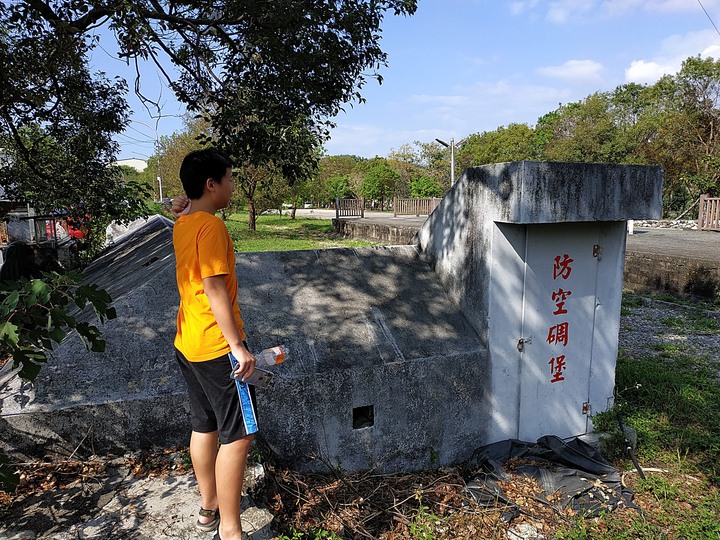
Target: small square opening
[363,417]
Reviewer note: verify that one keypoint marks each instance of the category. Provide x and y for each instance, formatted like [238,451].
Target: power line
[708,16]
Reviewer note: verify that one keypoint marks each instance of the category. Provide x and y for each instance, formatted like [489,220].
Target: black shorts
[217,402]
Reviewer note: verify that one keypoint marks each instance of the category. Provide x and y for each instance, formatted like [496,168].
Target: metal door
[558,329]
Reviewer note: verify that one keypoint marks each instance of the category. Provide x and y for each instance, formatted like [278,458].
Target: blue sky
[459,67]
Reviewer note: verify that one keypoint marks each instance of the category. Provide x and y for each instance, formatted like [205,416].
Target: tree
[268,81]
[424,186]
[172,150]
[405,161]
[690,131]
[584,131]
[378,182]
[435,162]
[261,187]
[338,187]
[57,120]
[512,143]
[323,186]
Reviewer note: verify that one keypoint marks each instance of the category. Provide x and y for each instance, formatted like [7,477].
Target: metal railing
[709,213]
[414,207]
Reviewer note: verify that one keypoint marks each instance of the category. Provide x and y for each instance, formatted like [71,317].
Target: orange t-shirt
[203,248]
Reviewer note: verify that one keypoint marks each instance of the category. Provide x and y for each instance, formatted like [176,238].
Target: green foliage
[424,187]
[37,313]
[338,187]
[512,143]
[423,522]
[674,405]
[58,121]
[631,301]
[264,84]
[378,181]
[674,123]
[659,487]
[312,534]
[704,523]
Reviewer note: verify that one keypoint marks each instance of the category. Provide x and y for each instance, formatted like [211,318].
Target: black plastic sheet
[586,482]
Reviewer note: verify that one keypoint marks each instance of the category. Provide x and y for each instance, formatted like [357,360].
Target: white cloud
[574,70]
[622,7]
[563,11]
[518,8]
[712,51]
[671,54]
[643,72]
[560,11]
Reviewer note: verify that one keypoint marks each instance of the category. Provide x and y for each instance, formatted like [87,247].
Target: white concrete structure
[533,253]
[138,164]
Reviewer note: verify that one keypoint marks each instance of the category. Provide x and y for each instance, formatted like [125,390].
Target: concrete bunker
[396,364]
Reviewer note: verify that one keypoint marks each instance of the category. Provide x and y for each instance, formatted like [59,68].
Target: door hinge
[586,407]
[597,251]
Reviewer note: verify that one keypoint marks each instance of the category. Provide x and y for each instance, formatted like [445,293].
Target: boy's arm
[222,309]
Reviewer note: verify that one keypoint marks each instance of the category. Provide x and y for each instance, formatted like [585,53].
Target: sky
[459,67]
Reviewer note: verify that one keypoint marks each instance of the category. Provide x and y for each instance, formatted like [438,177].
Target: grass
[672,400]
[276,232]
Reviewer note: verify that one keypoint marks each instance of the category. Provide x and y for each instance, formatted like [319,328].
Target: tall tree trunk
[251,214]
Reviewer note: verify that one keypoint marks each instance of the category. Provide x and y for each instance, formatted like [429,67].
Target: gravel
[655,323]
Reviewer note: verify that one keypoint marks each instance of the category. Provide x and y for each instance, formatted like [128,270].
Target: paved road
[700,245]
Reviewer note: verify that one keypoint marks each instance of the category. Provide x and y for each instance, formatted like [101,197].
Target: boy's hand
[180,206]
[246,363]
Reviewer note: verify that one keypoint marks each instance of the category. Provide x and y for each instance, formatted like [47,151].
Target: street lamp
[452,158]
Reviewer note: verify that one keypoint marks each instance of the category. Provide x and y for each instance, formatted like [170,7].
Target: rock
[524,531]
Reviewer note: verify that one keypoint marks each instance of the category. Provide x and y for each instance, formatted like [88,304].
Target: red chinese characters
[559,299]
[559,334]
[562,267]
[557,367]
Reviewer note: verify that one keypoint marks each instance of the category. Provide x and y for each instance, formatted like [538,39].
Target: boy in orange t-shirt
[210,341]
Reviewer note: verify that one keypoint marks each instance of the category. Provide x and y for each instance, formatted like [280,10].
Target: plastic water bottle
[272,355]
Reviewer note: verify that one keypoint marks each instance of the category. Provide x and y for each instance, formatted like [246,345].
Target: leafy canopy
[57,119]
[266,80]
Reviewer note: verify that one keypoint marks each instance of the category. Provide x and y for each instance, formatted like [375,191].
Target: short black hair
[198,166]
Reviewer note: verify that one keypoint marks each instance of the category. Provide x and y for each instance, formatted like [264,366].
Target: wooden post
[701,211]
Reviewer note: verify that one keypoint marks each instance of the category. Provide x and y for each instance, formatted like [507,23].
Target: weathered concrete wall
[389,365]
[652,272]
[374,232]
[457,236]
[131,396]
[366,328]
[369,330]
[492,242]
